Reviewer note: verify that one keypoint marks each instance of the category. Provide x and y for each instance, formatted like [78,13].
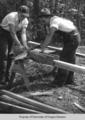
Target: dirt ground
[65,97]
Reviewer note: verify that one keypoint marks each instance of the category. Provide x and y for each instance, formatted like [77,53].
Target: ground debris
[67,98]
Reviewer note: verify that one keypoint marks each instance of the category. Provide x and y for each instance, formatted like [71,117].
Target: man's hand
[48,39]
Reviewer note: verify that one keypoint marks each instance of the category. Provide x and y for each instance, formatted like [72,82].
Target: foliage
[71,9]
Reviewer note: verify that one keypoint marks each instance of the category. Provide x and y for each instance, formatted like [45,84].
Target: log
[69,66]
[11,108]
[36,56]
[51,60]
[42,57]
[57,49]
[11,100]
[46,108]
[45,58]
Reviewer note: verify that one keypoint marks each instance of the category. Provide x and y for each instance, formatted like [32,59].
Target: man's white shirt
[62,24]
[12,18]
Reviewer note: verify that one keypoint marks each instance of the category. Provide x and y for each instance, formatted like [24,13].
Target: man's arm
[24,38]
[13,34]
[48,38]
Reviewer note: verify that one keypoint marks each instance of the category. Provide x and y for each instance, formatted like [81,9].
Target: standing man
[12,23]
[71,38]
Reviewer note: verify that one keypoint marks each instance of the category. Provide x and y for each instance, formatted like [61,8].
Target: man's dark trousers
[70,42]
[5,50]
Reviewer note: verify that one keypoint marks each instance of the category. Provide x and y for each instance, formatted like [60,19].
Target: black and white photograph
[42,59]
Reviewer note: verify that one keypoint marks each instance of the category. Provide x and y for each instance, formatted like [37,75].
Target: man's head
[23,11]
[44,15]
[45,12]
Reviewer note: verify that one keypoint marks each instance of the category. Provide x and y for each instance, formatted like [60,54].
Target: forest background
[71,9]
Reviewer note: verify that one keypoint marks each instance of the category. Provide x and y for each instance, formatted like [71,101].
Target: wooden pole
[4,106]
[79,107]
[57,49]
[46,108]
[10,100]
[69,66]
